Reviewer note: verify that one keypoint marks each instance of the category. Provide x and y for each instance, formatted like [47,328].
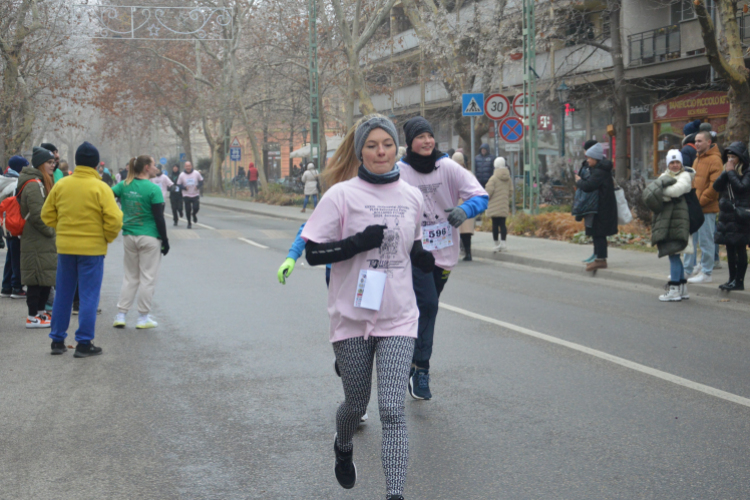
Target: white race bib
[370,288]
[437,236]
[190,182]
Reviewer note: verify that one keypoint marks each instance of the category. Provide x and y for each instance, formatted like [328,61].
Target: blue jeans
[703,239]
[677,271]
[12,271]
[307,197]
[86,271]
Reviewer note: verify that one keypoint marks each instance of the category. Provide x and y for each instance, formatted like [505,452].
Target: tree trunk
[729,64]
[620,93]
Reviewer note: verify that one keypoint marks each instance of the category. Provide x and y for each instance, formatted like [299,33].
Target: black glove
[164,247]
[371,237]
[423,260]
[726,205]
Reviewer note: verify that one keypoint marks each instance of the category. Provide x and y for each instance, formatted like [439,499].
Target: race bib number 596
[437,236]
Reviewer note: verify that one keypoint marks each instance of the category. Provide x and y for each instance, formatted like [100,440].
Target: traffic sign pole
[497,139]
[473,167]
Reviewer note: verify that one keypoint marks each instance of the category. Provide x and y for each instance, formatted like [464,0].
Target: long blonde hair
[136,166]
[344,162]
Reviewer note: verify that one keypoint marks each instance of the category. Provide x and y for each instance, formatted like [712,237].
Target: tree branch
[712,47]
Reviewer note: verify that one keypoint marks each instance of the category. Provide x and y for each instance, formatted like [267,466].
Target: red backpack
[10,212]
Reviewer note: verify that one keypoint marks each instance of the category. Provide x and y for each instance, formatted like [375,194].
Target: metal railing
[661,44]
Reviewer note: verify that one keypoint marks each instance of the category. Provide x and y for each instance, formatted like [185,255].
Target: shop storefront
[640,137]
[672,115]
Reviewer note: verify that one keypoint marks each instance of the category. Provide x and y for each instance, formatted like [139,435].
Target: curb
[708,291]
[254,212]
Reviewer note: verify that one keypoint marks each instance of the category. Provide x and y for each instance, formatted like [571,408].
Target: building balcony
[653,46]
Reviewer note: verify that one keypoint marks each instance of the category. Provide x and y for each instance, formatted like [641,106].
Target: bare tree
[727,58]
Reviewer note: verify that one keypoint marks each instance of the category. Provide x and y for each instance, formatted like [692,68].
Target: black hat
[415,127]
[49,147]
[589,144]
[39,156]
[87,155]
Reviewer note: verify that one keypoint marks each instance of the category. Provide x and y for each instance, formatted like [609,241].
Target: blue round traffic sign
[511,129]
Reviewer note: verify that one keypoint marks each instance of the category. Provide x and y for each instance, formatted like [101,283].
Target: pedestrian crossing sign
[472,104]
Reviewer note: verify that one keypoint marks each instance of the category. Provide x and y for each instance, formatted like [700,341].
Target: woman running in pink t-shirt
[369,229]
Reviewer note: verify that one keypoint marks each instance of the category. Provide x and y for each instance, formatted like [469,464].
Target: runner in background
[442,182]
[161,180]
[175,194]
[190,182]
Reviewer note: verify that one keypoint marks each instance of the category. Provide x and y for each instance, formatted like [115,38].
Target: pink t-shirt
[346,209]
[442,189]
[164,183]
[189,183]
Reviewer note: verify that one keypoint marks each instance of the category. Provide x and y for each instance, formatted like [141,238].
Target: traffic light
[569,109]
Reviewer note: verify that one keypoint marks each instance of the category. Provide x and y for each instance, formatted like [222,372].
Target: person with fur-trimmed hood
[732,229]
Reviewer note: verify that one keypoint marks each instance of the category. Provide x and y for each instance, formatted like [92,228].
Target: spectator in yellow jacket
[83,211]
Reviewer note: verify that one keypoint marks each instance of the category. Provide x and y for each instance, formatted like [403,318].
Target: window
[743,20]
[682,10]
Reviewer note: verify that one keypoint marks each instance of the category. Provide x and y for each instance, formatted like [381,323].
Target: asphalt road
[233,396]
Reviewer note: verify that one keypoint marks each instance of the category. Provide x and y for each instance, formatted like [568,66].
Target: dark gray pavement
[233,396]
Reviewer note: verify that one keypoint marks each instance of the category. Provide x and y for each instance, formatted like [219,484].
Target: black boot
[395,497]
[346,471]
[86,350]
[58,347]
[734,285]
[729,285]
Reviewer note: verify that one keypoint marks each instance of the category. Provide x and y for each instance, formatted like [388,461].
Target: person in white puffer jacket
[677,290]
[310,179]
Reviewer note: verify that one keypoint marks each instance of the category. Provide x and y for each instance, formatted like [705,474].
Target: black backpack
[695,211]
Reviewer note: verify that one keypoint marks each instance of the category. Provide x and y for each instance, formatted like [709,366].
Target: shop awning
[332,144]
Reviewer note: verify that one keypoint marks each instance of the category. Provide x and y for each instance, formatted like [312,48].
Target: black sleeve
[595,180]
[158,210]
[740,185]
[328,253]
[720,184]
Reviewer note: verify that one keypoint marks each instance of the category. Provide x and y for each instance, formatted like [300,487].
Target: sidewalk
[291,213]
[624,265]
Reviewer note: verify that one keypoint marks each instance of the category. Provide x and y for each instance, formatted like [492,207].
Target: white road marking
[711,391]
[253,243]
[203,225]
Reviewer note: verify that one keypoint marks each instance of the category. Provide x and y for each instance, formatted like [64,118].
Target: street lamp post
[304,136]
[563,94]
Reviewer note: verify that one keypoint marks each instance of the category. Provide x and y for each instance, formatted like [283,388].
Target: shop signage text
[693,105]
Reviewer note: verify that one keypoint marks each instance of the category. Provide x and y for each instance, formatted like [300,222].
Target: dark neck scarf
[385,178]
[422,164]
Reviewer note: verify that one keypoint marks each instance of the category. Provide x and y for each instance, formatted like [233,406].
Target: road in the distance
[234,395]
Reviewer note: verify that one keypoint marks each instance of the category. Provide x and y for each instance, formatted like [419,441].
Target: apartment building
[669,80]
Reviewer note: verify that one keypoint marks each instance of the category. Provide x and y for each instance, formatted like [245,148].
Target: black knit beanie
[415,127]
[87,155]
[589,144]
[48,146]
[39,156]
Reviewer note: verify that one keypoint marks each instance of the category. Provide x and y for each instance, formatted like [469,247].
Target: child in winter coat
[674,223]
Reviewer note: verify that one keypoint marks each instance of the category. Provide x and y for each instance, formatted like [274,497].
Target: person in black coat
[734,187]
[688,150]
[604,222]
[584,173]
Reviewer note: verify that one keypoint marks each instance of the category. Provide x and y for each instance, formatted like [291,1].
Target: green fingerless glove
[286,270]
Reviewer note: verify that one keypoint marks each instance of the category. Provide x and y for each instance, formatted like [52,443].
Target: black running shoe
[190,226]
[419,384]
[86,350]
[346,471]
[395,497]
[59,348]
[195,218]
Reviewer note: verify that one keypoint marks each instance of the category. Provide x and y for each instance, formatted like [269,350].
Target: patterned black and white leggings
[393,357]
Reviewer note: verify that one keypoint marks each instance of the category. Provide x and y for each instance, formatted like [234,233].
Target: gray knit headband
[360,136]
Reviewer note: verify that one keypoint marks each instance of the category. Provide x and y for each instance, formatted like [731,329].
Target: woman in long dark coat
[604,222]
[731,230]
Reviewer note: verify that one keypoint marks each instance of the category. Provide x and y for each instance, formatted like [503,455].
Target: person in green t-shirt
[144,239]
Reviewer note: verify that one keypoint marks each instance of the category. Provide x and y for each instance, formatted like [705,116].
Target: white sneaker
[146,322]
[497,247]
[119,321]
[363,419]
[673,295]
[701,278]
[695,272]
[683,291]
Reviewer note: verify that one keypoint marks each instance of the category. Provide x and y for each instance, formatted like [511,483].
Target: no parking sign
[511,129]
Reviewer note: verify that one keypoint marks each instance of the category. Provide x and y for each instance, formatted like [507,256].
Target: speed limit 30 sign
[496,107]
